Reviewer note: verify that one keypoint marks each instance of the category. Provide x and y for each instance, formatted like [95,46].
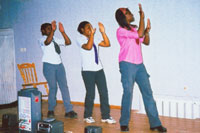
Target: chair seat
[34,84]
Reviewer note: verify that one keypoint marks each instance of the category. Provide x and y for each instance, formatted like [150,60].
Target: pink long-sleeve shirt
[130,45]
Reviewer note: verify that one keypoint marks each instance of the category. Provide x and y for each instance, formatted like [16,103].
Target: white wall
[172,59]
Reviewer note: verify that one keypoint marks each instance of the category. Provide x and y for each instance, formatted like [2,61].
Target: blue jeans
[56,74]
[92,78]
[129,74]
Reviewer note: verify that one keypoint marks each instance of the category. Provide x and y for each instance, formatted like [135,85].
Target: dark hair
[121,19]
[44,26]
[82,25]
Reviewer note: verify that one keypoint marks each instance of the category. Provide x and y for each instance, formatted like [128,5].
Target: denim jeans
[131,73]
[91,78]
[55,74]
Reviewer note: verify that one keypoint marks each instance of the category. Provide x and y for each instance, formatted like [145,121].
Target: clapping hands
[148,28]
[53,24]
[101,27]
[141,11]
[60,25]
[61,28]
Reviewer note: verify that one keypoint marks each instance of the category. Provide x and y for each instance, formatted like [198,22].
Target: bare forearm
[106,42]
[49,38]
[146,39]
[141,27]
[89,44]
[67,40]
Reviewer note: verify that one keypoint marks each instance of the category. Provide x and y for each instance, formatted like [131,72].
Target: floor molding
[10,105]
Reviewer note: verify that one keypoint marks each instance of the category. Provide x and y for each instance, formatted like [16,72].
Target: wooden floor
[138,123]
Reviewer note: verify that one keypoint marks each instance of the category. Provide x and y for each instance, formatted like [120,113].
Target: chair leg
[47,90]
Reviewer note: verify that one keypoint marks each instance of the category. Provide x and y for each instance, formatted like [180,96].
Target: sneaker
[124,128]
[71,114]
[89,120]
[109,120]
[50,114]
[159,129]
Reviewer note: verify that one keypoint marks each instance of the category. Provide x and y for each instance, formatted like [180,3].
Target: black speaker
[93,129]
[9,120]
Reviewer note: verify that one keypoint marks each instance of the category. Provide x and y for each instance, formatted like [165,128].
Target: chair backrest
[28,72]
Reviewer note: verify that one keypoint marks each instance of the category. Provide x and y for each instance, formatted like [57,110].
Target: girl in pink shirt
[132,69]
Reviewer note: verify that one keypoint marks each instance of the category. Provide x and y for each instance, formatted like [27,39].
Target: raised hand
[101,27]
[53,25]
[92,30]
[146,33]
[141,11]
[61,28]
[148,28]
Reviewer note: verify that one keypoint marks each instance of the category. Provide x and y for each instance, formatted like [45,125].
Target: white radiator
[179,107]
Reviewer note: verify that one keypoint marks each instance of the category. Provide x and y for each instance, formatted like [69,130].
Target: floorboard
[138,123]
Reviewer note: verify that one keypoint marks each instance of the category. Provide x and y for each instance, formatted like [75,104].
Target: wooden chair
[29,76]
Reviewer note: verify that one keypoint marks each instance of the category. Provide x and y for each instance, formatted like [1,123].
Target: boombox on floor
[50,126]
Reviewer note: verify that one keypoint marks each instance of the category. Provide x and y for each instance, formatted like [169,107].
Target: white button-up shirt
[88,56]
[49,53]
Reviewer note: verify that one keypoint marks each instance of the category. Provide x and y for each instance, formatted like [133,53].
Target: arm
[50,36]
[105,42]
[141,23]
[89,44]
[67,40]
[146,34]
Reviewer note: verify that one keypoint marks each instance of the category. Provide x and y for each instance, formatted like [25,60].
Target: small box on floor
[93,129]
[50,126]
[9,120]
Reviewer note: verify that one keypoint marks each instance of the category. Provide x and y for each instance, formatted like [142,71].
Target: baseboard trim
[10,105]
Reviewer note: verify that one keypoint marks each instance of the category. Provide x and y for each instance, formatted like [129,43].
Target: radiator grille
[179,107]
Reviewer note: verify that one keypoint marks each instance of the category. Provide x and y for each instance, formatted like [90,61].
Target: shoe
[124,128]
[159,129]
[71,114]
[109,120]
[50,114]
[89,120]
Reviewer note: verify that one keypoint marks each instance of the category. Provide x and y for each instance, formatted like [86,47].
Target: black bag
[93,129]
